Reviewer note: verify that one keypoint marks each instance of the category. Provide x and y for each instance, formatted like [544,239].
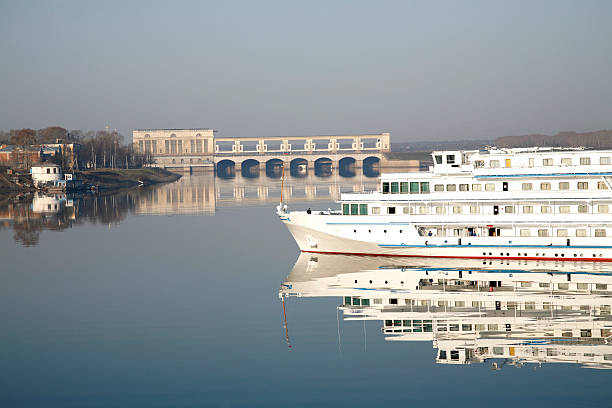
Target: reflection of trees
[109,208]
[27,233]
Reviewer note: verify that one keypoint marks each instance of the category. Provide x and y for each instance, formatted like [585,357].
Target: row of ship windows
[565,161]
[417,187]
[362,209]
[603,309]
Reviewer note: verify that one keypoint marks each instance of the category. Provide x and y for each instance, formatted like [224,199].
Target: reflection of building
[48,203]
[520,312]
[202,193]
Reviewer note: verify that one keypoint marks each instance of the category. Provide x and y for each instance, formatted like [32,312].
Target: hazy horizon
[421,71]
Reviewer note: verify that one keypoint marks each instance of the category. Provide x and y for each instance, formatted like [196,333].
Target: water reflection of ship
[510,313]
[203,193]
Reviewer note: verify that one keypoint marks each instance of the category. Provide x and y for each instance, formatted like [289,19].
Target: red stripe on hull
[527,258]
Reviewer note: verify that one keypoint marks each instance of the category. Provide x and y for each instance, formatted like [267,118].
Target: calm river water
[194,294]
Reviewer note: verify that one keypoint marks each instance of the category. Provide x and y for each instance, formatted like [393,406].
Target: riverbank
[115,179]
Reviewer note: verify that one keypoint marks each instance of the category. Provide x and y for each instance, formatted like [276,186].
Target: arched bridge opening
[371,166]
[274,168]
[299,168]
[250,168]
[346,167]
[226,169]
[323,167]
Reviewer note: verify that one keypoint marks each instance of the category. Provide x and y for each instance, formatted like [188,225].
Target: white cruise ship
[535,204]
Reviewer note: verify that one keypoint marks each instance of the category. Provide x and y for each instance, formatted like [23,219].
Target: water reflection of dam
[203,193]
[510,313]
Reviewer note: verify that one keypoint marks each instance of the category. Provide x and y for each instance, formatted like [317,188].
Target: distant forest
[601,139]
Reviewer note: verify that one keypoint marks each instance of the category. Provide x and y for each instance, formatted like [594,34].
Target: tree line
[96,148]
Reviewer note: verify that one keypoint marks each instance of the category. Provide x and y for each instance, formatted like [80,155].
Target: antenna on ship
[285,324]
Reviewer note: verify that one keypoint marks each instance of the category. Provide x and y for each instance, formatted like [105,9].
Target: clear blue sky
[421,70]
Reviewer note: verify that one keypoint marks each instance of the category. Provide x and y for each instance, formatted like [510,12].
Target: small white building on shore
[47,173]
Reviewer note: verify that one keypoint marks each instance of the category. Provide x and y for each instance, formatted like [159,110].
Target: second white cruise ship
[536,203]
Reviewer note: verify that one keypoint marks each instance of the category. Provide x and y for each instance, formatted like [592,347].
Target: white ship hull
[332,234]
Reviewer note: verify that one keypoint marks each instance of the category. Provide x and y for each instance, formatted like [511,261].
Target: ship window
[363,209]
[600,232]
[529,305]
[451,187]
[566,161]
[531,162]
[509,209]
[547,162]
[438,187]
[604,160]
[464,187]
[544,186]
[527,209]
[545,209]
[390,210]
[442,355]
[585,333]
[583,208]
[581,232]
[564,185]
[473,209]
[542,233]
[527,186]
[425,187]
[345,209]
[490,187]
[601,185]
[494,163]
[476,187]
[395,187]
[466,327]
[385,187]
[406,210]
[404,187]
[457,209]
[492,327]
[365,302]
[563,286]
[585,161]
[48,171]
[347,300]
[583,185]
[440,210]
[354,209]
[438,159]
[564,209]
[601,286]
[422,210]
[602,208]
[414,187]
[561,232]
[525,233]
[478,164]
[450,159]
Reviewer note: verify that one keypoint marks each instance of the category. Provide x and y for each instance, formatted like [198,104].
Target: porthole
[575,255]
[355,280]
[525,254]
[556,254]
[594,256]
[562,255]
[507,253]
[484,253]
[385,231]
[370,281]
[490,253]
[402,282]
[401,231]
[355,231]
[502,254]
[386,282]
[370,231]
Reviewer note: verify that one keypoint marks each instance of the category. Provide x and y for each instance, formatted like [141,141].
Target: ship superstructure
[547,204]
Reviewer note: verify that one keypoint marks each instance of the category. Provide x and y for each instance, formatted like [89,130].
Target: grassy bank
[113,179]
